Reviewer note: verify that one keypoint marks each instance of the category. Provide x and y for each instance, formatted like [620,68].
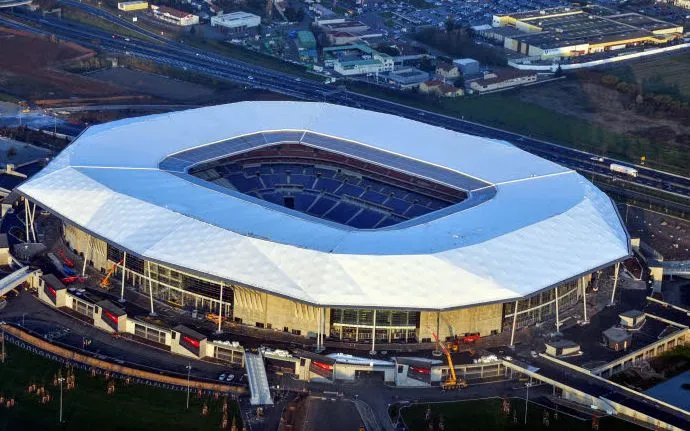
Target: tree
[11,152]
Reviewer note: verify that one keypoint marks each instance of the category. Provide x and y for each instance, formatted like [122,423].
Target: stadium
[330,222]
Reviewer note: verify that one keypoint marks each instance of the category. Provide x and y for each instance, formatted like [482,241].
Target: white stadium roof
[542,224]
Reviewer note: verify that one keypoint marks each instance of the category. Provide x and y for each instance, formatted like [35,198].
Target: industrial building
[357,59]
[174,16]
[131,6]
[330,222]
[235,22]
[570,31]
[408,77]
[467,66]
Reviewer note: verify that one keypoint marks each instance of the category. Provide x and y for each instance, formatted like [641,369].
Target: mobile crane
[106,280]
[451,382]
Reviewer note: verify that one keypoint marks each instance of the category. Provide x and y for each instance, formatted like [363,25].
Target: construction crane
[451,382]
[106,280]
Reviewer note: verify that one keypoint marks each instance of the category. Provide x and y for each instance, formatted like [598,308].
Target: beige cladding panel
[252,307]
[482,319]
[93,248]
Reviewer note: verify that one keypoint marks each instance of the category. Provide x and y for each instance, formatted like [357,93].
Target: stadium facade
[327,221]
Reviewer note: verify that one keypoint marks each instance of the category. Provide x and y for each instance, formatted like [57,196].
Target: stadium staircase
[258,381]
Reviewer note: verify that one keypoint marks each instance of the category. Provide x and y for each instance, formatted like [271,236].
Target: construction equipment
[106,280]
[67,261]
[73,279]
[452,382]
[466,340]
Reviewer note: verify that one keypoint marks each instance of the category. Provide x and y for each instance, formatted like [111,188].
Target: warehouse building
[131,6]
[235,22]
[329,222]
[569,31]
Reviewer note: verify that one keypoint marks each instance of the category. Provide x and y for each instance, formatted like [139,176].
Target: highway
[172,53]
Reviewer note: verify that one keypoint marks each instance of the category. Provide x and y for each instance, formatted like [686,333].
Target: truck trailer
[623,169]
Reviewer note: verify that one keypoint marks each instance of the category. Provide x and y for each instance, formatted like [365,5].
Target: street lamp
[528,384]
[61,379]
[189,372]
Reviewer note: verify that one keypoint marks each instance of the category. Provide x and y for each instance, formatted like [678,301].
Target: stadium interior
[330,186]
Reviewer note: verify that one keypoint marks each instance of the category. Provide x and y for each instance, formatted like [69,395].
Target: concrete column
[86,256]
[373,336]
[124,274]
[318,329]
[558,320]
[512,332]
[32,218]
[148,265]
[220,308]
[26,220]
[615,282]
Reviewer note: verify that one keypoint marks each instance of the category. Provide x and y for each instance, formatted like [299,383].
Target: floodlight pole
[189,372]
[527,398]
[124,273]
[512,332]
[61,379]
[615,282]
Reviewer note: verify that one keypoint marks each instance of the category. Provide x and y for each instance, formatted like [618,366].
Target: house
[447,71]
[440,88]
[503,79]
[174,16]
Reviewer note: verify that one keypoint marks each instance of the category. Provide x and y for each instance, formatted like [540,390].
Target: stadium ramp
[258,380]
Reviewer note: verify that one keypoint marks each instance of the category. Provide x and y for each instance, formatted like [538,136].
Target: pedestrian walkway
[258,381]
[15,279]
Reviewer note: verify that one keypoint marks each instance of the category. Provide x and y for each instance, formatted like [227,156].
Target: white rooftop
[543,225]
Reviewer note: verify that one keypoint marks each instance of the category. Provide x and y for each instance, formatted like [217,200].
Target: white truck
[623,169]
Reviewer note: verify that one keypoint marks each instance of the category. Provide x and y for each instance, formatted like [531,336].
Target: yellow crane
[452,382]
[106,280]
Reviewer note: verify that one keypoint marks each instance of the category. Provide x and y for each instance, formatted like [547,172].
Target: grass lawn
[88,19]
[131,407]
[488,415]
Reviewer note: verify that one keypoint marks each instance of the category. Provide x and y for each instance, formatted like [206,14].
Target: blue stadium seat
[349,189]
[303,180]
[303,201]
[321,206]
[399,206]
[342,212]
[326,184]
[372,196]
[416,210]
[367,219]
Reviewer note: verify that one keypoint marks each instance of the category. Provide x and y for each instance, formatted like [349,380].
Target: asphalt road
[176,54]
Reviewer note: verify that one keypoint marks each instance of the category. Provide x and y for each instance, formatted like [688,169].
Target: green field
[488,415]
[130,407]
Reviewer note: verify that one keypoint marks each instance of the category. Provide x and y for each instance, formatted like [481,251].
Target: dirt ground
[595,103]
[37,76]
[152,84]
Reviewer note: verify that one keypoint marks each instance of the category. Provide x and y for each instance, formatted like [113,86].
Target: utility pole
[189,372]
